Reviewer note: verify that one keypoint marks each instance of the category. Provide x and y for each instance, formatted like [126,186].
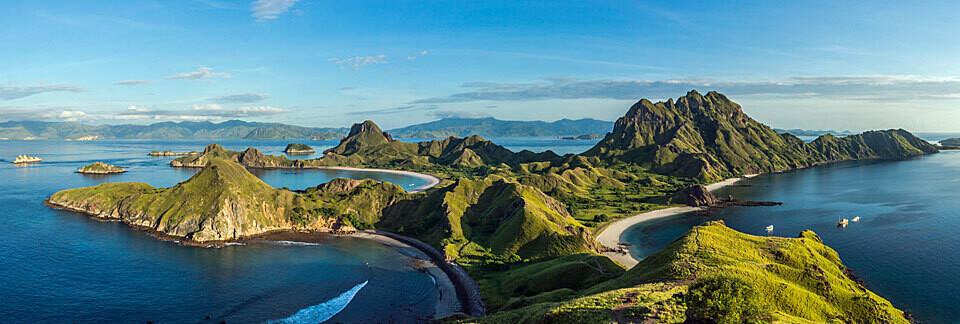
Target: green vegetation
[717,274]
[297,148]
[101,168]
[521,222]
[224,201]
[710,138]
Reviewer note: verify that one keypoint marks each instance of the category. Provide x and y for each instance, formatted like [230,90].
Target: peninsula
[522,223]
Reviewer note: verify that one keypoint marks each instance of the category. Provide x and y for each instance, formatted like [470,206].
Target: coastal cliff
[225,202]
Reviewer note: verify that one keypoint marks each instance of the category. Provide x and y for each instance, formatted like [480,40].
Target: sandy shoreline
[431,180]
[610,236]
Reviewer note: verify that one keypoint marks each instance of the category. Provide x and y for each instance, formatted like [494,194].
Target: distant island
[171,153]
[100,168]
[808,132]
[955,142]
[296,148]
[236,129]
[492,127]
[523,223]
[233,129]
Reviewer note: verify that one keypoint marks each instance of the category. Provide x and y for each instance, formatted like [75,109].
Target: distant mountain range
[233,129]
[236,129]
[811,132]
[492,127]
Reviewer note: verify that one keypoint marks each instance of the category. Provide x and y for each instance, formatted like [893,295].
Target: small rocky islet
[101,168]
[298,149]
[522,223]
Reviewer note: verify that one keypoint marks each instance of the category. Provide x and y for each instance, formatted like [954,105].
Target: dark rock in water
[696,196]
[951,142]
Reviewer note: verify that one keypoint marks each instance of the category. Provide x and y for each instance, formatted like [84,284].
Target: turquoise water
[906,247]
[62,267]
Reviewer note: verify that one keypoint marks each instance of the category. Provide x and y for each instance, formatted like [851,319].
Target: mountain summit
[365,134]
[709,137]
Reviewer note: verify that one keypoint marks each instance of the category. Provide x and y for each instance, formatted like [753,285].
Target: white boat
[769,229]
[21,159]
[843,222]
[855,219]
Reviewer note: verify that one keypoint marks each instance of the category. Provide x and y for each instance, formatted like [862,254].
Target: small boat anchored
[843,222]
[769,229]
[24,159]
[855,219]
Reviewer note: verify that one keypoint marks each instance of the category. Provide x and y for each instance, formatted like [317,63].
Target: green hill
[709,137]
[716,274]
[490,220]
[224,201]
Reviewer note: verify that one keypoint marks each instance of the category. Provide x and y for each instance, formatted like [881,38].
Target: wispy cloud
[358,62]
[419,54]
[17,92]
[393,110]
[202,72]
[833,87]
[458,114]
[241,98]
[132,82]
[204,112]
[264,10]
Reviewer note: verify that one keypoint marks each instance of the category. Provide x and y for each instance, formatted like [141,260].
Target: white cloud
[358,62]
[15,92]
[202,72]
[132,82]
[264,10]
[861,88]
[71,115]
[418,55]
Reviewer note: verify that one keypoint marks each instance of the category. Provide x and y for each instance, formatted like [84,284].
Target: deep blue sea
[58,266]
[63,267]
[906,246]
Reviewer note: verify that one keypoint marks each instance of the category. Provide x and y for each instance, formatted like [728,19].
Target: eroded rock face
[695,196]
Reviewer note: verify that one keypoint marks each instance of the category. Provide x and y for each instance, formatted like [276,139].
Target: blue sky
[807,64]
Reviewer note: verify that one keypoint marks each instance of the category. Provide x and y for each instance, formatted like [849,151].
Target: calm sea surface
[58,266]
[62,267]
[906,247]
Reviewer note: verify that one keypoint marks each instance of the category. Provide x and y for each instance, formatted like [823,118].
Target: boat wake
[294,243]
[322,312]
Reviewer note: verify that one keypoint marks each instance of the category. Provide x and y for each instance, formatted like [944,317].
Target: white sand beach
[431,180]
[610,236]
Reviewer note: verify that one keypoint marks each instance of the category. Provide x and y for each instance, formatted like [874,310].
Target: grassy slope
[224,201]
[796,280]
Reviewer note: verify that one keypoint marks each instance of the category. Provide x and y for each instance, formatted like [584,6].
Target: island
[524,225]
[100,168]
[951,143]
[296,149]
[171,153]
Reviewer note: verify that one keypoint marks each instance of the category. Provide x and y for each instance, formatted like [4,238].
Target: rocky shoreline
[452,280]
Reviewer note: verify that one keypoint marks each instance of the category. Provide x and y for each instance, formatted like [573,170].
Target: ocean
[906,247]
